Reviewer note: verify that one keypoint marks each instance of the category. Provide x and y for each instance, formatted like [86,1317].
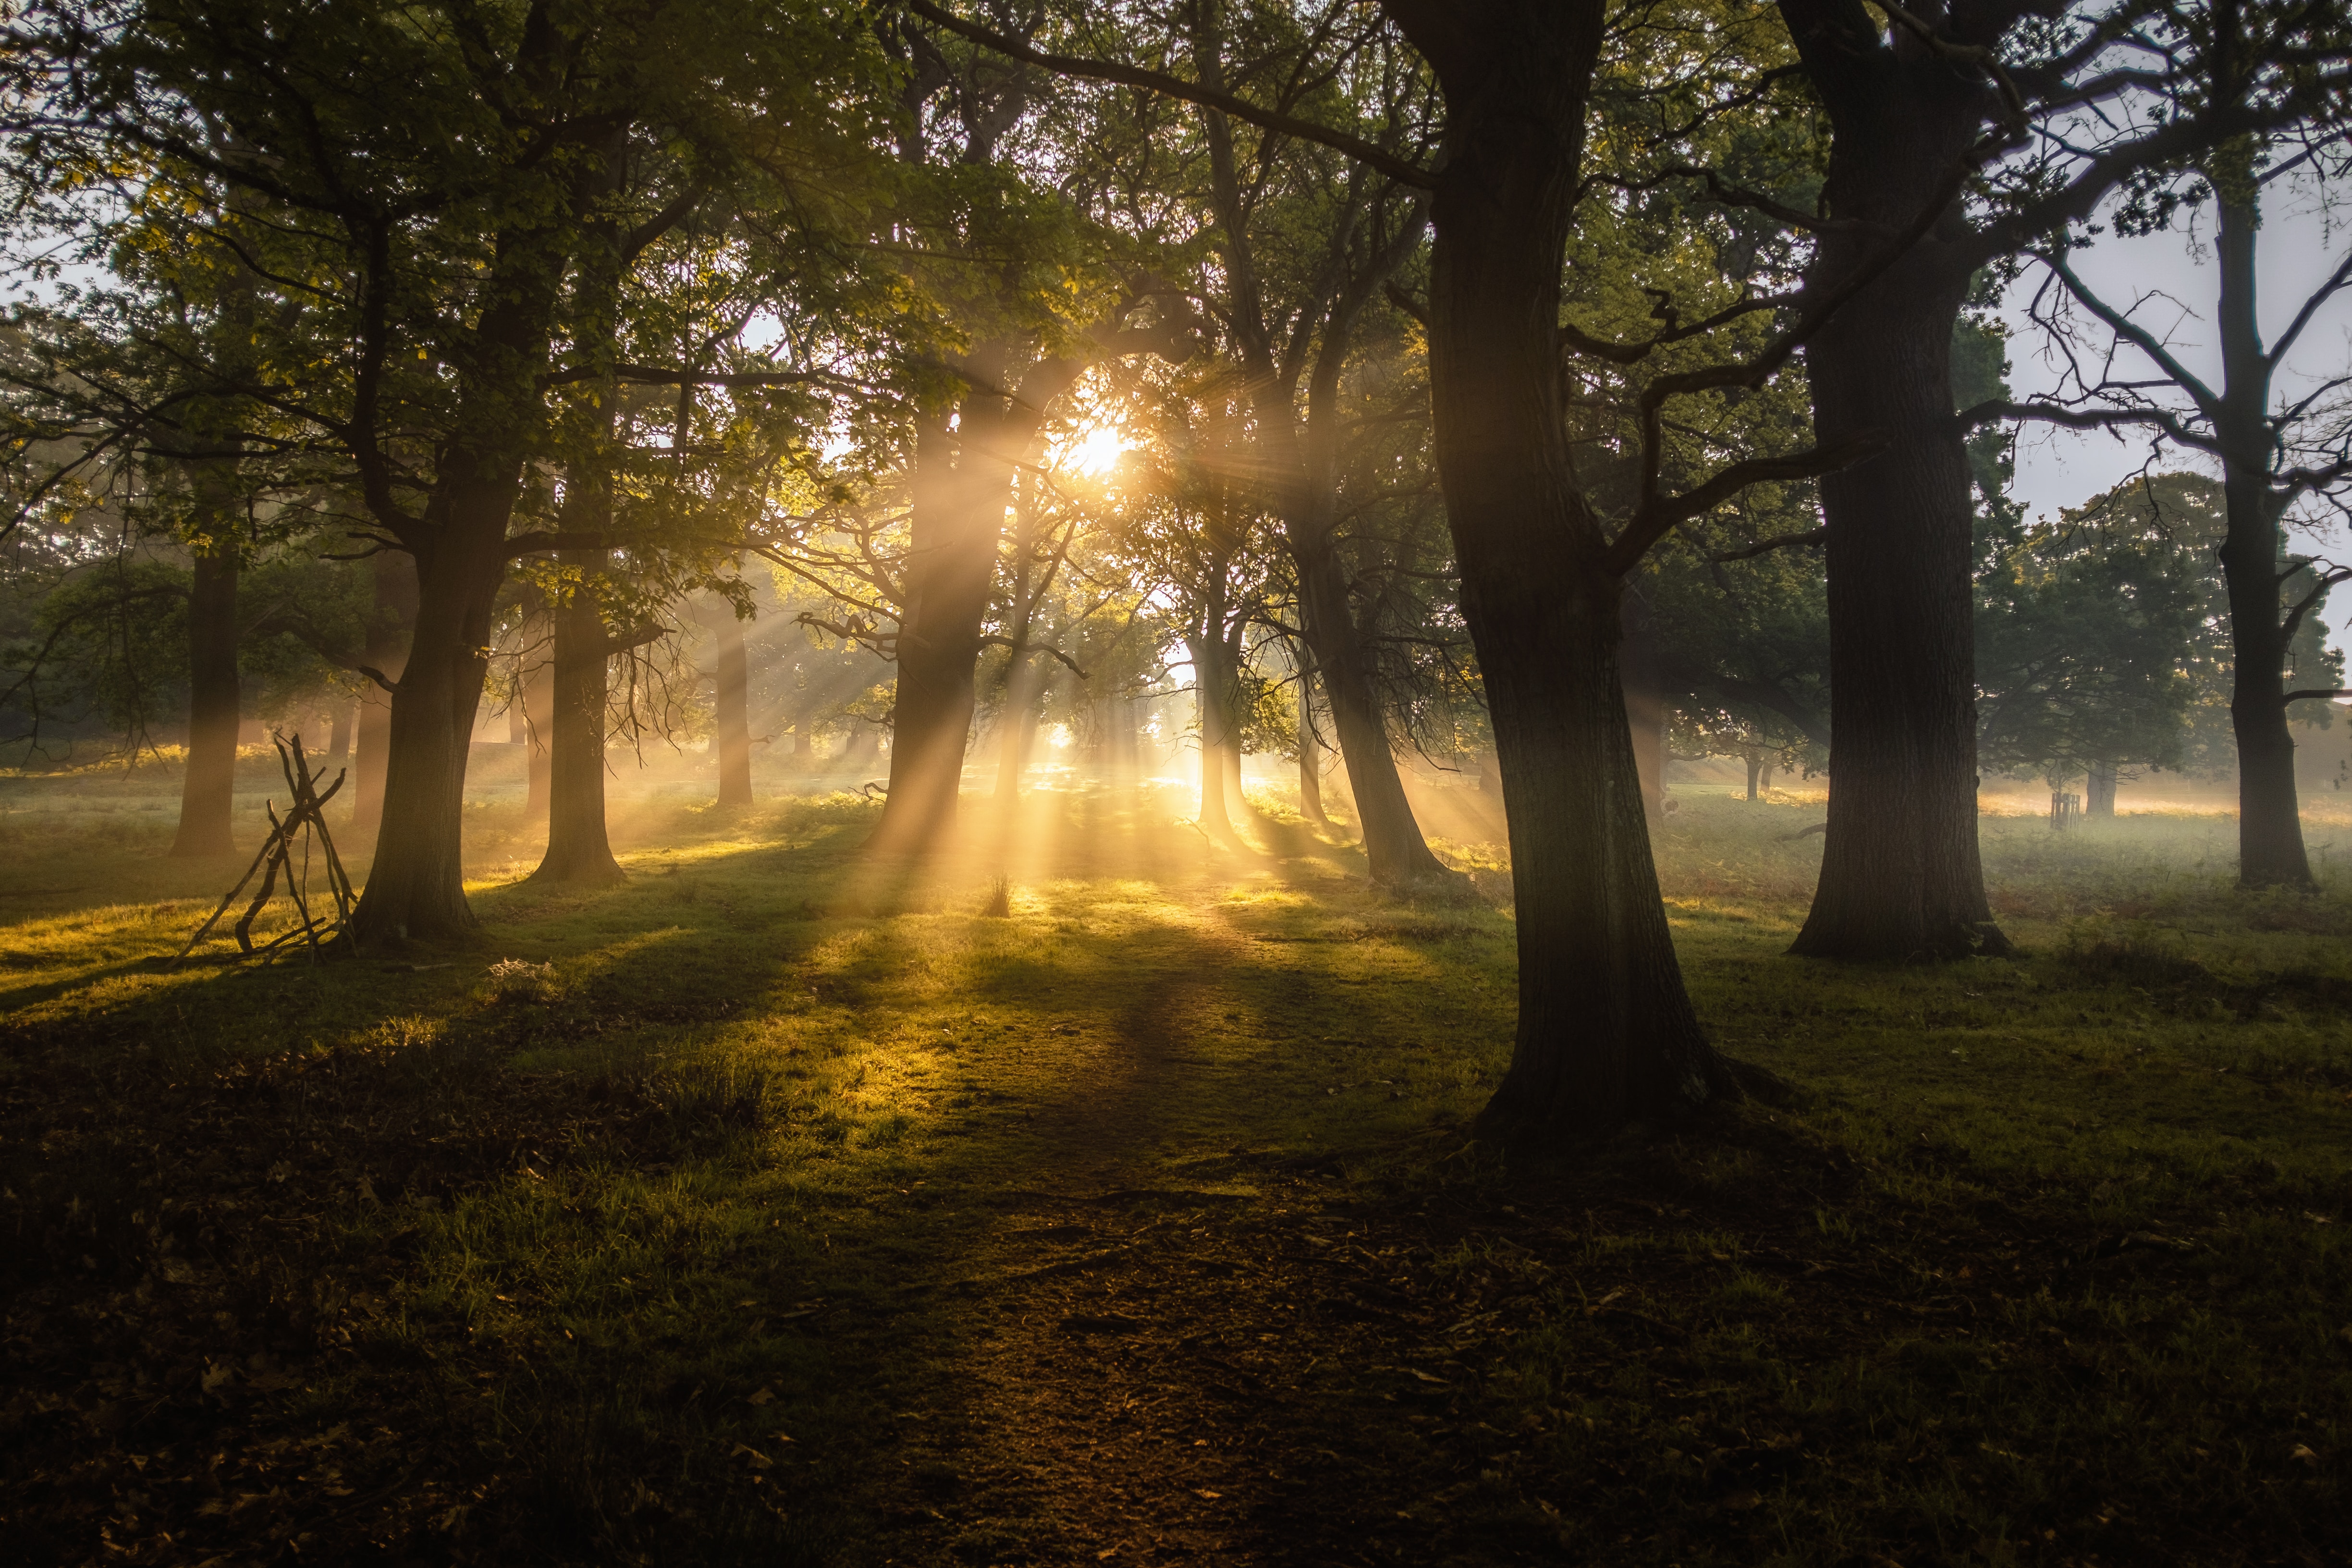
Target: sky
[2174,275]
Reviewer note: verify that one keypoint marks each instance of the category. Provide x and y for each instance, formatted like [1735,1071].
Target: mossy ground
[773,1208]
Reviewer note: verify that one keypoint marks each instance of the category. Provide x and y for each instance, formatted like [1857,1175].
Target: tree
[2276,452]
[1050,302]
[1305,250]
[414,257]
[1915,116]
[1195,529]
[1606,1031]
[2081,626]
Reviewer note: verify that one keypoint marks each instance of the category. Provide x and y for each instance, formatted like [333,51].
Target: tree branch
[1398,168]
[1999,408]
[1660,513]
[1019,647]
[1779,541]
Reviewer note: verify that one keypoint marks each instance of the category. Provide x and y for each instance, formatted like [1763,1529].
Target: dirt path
[1215,1364]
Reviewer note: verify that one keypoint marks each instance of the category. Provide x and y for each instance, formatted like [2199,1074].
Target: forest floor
[761,1210]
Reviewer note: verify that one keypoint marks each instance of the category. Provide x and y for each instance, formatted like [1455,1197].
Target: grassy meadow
[771,1208]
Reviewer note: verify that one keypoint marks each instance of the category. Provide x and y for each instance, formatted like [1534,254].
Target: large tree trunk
[416,888]
[1901,877]
[579,851]
[391,624]
[2271,851]
[416,885]
[953,560]
[339,737]
[732,712]
[1606,1030]
[963,486]
[208,789]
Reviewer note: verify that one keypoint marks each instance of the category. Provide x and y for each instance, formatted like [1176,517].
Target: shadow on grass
[773,1204]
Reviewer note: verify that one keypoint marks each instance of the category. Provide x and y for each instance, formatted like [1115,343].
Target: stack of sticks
[305,819]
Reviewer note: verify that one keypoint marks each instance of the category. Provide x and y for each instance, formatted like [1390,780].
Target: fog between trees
[1547,393]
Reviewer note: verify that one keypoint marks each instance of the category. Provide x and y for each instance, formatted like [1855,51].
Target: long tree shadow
[665,1169]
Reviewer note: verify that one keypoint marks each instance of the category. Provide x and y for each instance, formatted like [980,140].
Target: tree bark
[416,886]
[1755,766]
[1606,1030]
[208,788]
[415,889]
[578,850]
[391,624]
[2271,852]
[732,712]
[1901,875]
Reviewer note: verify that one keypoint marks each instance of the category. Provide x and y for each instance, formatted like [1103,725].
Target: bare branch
[1999,408]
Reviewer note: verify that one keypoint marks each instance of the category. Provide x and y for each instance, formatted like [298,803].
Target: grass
[1111,1200]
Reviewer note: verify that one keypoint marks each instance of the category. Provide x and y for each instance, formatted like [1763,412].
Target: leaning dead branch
[305,819]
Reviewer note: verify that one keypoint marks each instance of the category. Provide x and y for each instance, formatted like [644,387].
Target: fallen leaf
[1105,1552]
[1203,1491]
[2303,1451]
[1423,1375]
[1750,1498]
[759,1398]
[752,1456]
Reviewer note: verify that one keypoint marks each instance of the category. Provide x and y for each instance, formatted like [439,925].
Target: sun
[1097,451]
